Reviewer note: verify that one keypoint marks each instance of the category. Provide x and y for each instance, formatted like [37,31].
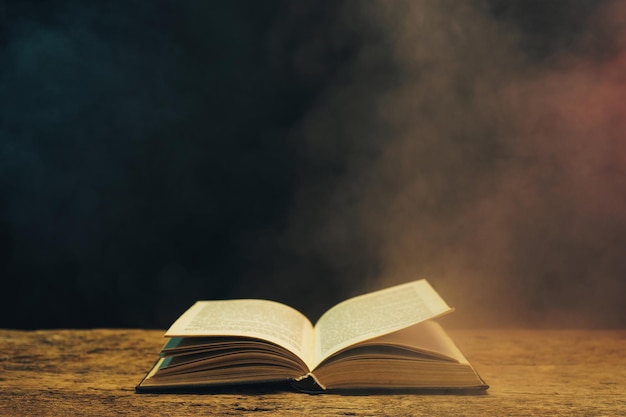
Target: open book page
[428,336]
[267,320]
[375,314]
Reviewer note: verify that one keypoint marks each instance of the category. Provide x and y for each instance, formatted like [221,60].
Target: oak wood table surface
[530,372]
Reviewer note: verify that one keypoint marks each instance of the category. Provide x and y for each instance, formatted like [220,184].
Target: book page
[375,314]
[267,320]
[428,336]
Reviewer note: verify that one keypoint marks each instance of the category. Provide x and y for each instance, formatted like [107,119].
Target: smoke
[152,154]
[462,152]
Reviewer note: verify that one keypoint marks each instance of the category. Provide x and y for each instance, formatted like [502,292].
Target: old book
[384,340]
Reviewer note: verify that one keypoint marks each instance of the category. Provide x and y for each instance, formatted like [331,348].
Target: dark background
[156,153]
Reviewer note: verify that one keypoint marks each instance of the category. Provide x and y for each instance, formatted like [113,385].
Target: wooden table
[531,372]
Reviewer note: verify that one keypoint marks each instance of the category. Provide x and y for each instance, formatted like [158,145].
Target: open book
[383,340]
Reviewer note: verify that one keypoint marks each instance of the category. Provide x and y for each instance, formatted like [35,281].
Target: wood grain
[531,372]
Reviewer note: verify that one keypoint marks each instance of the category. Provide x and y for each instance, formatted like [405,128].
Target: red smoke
[542,242]
[565,190]
[578,119]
